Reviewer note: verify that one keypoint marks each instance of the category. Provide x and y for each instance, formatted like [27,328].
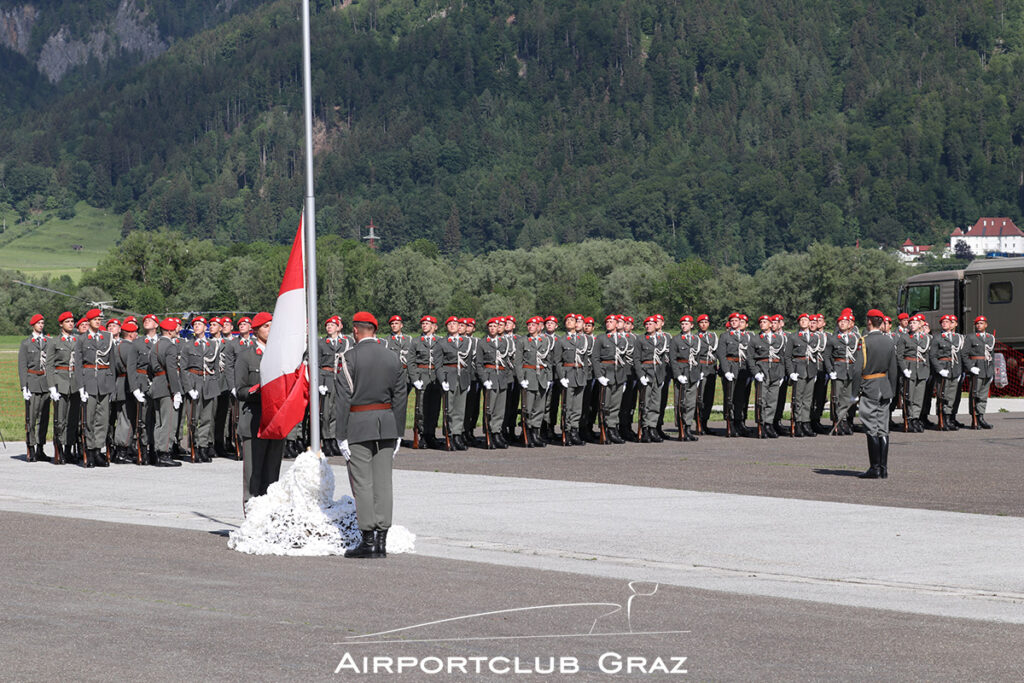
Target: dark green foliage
[730,131]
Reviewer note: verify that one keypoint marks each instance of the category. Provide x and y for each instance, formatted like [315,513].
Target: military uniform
[261,458]
[874,382]
[472,415]
[426,355]
[513,397]
[802,363]
[816,349]
[686,351]
[228,355]
[164,391]
[371,419]
[572,373]
[979,350]
[948,364]
[95,376]
[610,372]
[534,373]
[627,341]
[60,361]
[732,365]
[201,379]
[708,369]
[913,354]
[767,361]
[840,361]
[331,350]
[123,404]
[144,346]
[456,372]
[32,375]
[494,361]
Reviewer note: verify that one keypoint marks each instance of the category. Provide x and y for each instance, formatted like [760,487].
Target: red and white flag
[284,386]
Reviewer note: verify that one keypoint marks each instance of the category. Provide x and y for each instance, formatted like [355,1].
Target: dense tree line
[727,131]
[160,272]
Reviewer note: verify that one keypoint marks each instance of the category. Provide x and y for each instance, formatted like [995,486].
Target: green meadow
[45,244]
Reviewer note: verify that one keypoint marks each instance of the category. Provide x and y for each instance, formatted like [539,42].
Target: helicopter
[102,305]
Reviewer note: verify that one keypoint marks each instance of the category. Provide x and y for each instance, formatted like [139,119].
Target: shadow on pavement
[838,473]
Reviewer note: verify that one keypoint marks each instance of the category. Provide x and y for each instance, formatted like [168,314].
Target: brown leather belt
[799,357]
[841,360]
[530,367]
[40,372]
[946,358]
[369,406]
[608,362]
[161,372]
[201,373]
[976,357]
[330,369]
[95,367]
[647,362]
[572,365]
[121,374]
[425,366]
[703,362]
[491,366]
[404,366]
[873,375]
[62,367]
[143,371]
[767,360]
[734,359]
[915,359]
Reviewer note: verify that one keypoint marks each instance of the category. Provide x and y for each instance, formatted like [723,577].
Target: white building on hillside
[990,236]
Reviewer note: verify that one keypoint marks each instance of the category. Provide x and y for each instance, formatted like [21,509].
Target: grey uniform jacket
[144,346]
[426,354]
[733,348]
[200,367]
[800,355]
[875,370]
[709,352]
[95,372]
[60,358]
[767,356]
[948,353]
[455,364]
[913,351]
[841,354]
[608,359]
[401,345]
[571,359]
[121,356]
[685,352]
[247,376]
[978,353]
[533,361]
[32,364]
[163,368]
[371,394]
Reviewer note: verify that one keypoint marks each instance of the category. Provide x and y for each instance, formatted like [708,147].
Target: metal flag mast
[309,244]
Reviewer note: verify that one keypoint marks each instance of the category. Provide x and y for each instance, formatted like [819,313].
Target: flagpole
[309,240]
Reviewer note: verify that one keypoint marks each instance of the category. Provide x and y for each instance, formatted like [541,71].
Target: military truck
[985,287]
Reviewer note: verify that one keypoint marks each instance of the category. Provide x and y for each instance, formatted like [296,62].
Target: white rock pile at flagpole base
[299,516]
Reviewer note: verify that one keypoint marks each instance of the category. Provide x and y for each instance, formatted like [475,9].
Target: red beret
[658,316]
[589,319]
[536,319]
[333,319]
[875,313]
[627,318]
[113,321]
[364,317]
[687,319]
[611,316]
[551,318]
[981,319]
[429,319]
[703,316]
[168,324]
[261,319]
[152,317]
[948,316]
[130,327]
[903,316]
[245,319]
[918,316]
[450,319]
[36,318]
[804,315]
[395,318]
[569,315]
[777,316]
[493,321]
[81,321]
[764,317]
[64,316]
[92,313]
[214,321]
[735,315]
[198,319]
[226,319]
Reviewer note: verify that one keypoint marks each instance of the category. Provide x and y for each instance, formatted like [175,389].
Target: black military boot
[499,440]
[772,432]
[101,458]
[165,460]
[380,543]
[458,443]
[40,456]
[883,456]
[58,453]
[951,424]
[538,439]
[808,429]
[982,423]
[688,434]
[798,430]
[366,547]
[645,435]
[575,439]
[655,435]
[614,436]
[872,471]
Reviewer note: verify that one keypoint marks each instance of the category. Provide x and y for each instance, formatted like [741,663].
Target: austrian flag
[284,381]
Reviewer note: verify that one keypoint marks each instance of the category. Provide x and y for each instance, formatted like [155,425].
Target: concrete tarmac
[766,561]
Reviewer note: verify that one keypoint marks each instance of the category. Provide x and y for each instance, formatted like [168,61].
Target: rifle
[191,428]
[758,417]
[678,408]
[138,436]
[81,428]
[699,422]
[522,414]
[793,406]
[641,399]
[58,455]
[972,402]
[905,398]
[29,454]
[487,419]
[445,427]
[833,409]
[940,405]
[417,419]
[600,415]
[727,397]
[234,428]
[564,425]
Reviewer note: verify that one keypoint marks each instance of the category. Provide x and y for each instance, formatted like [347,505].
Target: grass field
[47,247]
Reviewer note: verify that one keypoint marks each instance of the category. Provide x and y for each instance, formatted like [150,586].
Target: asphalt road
[95,601]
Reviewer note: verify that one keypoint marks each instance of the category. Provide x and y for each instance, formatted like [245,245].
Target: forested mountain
[727,130]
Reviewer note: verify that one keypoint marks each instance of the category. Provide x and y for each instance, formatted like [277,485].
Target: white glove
[604,381]
[139,396]
[944,373]
[398,444]
[54,396]
[26,393]
[193,394]
[856,399]
[729,377]
[644,380]
[83,394]
[488,384]
[445,386]
[793,377]
[524,384]
[345,450]
[832,375]
[176,401]
[418,384]
[564,382]
[548,385]
[975,370]
[234,392]
[759,377]
[681,379]
[322,389]
[907,373]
